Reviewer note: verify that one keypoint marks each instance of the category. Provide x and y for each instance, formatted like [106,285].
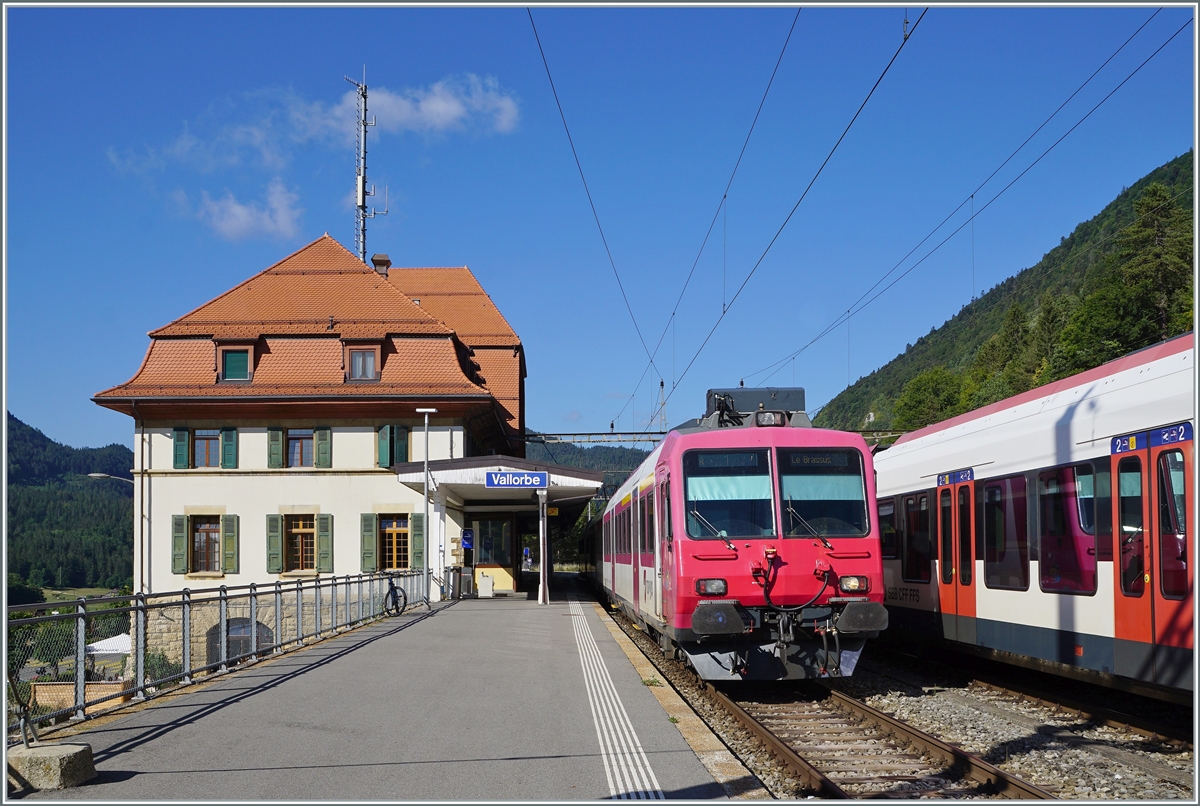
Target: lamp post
[141,543]
[425,496]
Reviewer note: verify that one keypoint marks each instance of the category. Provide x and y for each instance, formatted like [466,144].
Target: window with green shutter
[179,544]
[383,457]
[370,528]
[325,544]
[229,448]
[417,544]
[399,444]
[323,439]
[274,544]
[229,544]
[182,457]
[235,365]
[274,446]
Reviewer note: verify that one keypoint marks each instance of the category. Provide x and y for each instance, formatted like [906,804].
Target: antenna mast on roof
[360,184]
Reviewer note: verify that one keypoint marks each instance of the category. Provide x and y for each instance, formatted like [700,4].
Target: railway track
[842,748]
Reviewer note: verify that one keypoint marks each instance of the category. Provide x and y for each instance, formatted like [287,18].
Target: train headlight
[711,587]
[853,584]
[769,418]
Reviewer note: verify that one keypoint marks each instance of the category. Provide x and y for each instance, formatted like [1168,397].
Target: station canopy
[464,482]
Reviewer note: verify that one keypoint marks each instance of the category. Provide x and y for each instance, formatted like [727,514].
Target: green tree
[20,593]
[1156,257]
[929,397]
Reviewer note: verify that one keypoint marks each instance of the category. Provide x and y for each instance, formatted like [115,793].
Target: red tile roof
[456,297]
[300,293]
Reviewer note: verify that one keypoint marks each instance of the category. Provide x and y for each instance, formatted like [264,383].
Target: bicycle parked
[395,599]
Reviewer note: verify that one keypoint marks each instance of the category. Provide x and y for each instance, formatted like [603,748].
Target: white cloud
[456,103]
[277,218]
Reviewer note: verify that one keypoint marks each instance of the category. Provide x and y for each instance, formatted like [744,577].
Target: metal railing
[71,659]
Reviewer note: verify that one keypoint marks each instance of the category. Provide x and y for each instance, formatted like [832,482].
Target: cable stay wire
[588,191]
[720,205]
[1000,167]
[795,207]
[860,306]
[970,197]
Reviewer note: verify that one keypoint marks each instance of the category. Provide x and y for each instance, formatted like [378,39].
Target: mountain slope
[65,529]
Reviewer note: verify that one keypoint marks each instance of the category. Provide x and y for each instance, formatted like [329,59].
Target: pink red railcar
[748,542]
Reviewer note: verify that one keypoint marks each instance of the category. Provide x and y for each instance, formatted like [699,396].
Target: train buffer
[477,699]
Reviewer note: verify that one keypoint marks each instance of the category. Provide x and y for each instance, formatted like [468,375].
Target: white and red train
[1056,529]
[748,542]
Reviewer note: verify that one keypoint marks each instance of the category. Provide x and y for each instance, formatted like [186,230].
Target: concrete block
[50,766]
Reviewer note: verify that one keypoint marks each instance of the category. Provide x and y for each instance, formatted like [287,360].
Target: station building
[276,432]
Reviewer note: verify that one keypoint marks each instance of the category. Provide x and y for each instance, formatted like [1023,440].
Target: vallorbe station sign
[518,480]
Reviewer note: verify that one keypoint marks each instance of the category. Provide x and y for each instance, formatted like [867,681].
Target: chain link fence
[72,660]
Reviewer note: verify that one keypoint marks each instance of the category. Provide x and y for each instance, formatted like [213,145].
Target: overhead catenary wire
[858,306]
[721,206]
[587,191]
[796,206]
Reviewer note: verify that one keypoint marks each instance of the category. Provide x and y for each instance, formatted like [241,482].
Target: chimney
[382,263]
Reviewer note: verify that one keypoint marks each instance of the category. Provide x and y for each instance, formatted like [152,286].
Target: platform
[479,699]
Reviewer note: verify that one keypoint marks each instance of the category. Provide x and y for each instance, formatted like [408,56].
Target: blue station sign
[468,538]
[517,480]
[955,477]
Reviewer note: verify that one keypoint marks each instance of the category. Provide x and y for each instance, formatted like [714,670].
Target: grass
[71,594]
[651,681]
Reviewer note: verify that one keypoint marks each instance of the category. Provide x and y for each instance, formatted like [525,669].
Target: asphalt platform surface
[480,699]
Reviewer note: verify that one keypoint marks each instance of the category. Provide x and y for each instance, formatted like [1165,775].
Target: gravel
[1063,754]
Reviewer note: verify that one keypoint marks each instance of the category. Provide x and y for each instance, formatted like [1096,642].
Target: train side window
[1066,501]
[1005,534]
[606,531]
[888,544]
[1133,540]
[917,562]
[1102,484]
[946,509]
[648,522]
[965,562]
[1172,523]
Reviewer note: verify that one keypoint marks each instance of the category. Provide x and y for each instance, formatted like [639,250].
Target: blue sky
[158,156]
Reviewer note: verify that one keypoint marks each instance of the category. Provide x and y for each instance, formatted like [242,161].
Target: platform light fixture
[425,496]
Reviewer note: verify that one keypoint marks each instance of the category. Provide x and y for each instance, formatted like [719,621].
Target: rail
[72,659]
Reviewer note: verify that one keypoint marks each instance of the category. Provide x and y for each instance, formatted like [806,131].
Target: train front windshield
[728,494]
[822,493]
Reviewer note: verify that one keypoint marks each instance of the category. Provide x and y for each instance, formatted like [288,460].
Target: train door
[1134,647]
[956,560]
[635,554]
[665,552]
[649,557]
[1170,468]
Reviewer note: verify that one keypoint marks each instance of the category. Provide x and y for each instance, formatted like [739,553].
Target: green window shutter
[229,457]
[325,544]
[385,446]
[370,532]
[229,544]
[416,542]
[274,446]
[400,443]
[179,541]
[322,446]
[274,544]
[181,449]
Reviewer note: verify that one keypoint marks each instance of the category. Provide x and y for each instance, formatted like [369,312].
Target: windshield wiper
[807,525]
[716,532]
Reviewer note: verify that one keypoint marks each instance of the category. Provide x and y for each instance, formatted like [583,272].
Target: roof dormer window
[362,362]
[362,365]
[235,364]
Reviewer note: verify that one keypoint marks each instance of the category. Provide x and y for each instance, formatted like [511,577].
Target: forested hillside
[1119,282]
[617,463]
[65,529]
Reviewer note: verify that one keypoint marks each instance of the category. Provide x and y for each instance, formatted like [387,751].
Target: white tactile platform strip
[630,776]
